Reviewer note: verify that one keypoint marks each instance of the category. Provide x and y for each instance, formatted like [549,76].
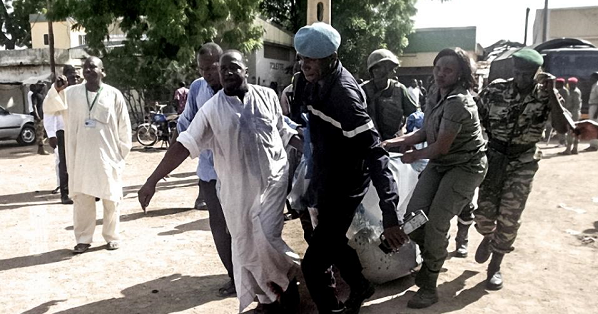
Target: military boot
[494,279]
[427,294]
[461,240]
[483,252]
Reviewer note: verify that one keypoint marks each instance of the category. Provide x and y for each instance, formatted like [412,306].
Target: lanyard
[94,99]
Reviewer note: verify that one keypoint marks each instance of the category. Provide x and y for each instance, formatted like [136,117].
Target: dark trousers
[220,233]
[329,246]
[63,175]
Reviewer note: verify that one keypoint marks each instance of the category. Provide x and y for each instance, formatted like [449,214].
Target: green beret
[527,58]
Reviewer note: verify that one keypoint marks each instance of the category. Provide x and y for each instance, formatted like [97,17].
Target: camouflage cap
[528,59]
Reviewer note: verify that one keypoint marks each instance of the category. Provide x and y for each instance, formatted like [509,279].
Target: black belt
[510,149]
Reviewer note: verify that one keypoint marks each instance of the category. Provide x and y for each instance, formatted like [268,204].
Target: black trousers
[63,175]
[329,246]
[222,237]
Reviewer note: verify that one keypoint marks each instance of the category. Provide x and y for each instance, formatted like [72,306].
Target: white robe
[248,140]
[95,156]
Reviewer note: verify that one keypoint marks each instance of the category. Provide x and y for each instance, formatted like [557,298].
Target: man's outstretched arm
[176,154]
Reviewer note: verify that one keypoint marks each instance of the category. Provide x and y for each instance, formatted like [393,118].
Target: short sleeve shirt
[455,113]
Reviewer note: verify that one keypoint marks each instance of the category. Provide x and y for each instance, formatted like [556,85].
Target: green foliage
[369,25]
[364,25]
[16,31]
[162,37]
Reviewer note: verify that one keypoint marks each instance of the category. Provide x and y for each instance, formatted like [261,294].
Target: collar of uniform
[325,84]
[458,90]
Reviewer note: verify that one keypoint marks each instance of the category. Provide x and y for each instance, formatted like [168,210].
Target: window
[82,40]
[276,52]
[46,39]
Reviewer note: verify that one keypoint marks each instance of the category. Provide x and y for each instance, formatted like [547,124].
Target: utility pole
[51,43]
[526,24]
[545,32]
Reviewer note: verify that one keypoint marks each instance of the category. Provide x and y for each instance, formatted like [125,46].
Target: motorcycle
[157,126]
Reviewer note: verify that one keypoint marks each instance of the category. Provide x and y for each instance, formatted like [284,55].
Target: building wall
[265,70]
[568,22]
[62,35]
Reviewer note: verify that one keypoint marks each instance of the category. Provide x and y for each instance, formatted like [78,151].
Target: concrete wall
[18,65]
[275,35]
[568,22]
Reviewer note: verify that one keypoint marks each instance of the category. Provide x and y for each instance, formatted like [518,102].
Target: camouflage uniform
[514,126]
[388,108]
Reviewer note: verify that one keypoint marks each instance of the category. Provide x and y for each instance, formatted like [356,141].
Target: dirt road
[168,263]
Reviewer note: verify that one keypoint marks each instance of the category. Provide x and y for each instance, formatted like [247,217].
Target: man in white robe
[243,126]
[98,138]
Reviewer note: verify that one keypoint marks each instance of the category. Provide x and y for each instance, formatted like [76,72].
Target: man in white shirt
[414,91]
[98,138]
[54,125]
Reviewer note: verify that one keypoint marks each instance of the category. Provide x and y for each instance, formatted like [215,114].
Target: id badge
[90,123]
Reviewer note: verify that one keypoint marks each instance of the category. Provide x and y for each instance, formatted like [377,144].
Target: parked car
[19,127]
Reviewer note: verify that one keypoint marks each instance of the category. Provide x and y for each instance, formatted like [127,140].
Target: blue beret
[317,41]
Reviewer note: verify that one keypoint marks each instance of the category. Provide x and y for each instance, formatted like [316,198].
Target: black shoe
[357,297]
[200,204]
[461,250]
[66,200]
[424,297]
[482,254]
[290,299]
[228,290]
[494,279]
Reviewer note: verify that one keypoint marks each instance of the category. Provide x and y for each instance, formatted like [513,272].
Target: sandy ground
[168,263]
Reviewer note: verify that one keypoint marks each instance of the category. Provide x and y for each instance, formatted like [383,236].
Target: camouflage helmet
[381,55]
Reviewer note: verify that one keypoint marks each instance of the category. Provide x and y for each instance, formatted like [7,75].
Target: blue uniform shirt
[199,92]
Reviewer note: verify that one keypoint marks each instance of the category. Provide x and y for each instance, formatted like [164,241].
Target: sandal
[113,245]
[81,248]
[228,290]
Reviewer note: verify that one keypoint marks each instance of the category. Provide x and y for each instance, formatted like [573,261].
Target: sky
[494,19]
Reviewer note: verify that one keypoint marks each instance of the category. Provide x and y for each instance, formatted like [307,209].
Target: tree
[161,38]
[14,22]
[364,25]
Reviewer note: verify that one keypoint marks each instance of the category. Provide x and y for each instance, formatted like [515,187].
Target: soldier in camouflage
[514,113]
[388,102]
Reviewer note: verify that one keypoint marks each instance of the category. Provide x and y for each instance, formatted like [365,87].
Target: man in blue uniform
[346,156]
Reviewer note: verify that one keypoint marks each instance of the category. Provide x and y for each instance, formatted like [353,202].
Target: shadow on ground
[55,256]
[198,225]
[141,214]
[164,295]
[37,198]
[451,294]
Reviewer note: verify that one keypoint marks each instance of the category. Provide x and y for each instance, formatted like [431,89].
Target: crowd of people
[342,131]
